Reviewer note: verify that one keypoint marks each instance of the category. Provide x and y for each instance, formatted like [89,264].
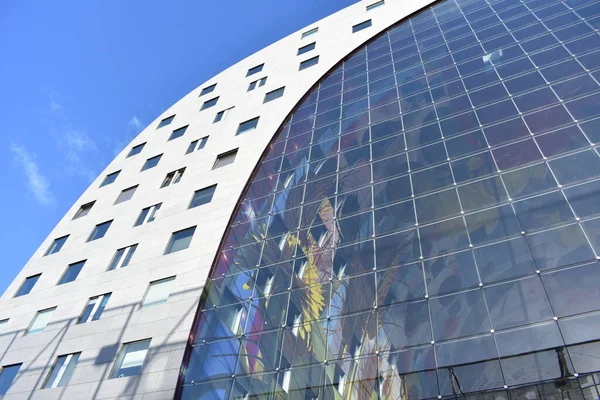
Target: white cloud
[134,125]
[38,183]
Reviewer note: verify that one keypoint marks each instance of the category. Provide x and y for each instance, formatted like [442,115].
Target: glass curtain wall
[425,224]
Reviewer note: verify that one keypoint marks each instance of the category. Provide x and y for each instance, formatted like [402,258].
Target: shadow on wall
[107,354]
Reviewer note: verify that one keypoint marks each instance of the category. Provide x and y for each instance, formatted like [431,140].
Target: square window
[203,196]
[177,133]
[247,125]
[122,257]
[126,194]
[375,5]
[27,285]
[84,210]
[7,376]
[173,177]
[180,240]
[99,231]
[221,115]
[151,162]
[255,70]
[309,63]
[61,371]
[131,359]
[136,150]
[208,89]
[158,292]
[310,32]
[224,159]
[71,273]
[361,26]
[258,83]
[94,308]
[148,214]
[275,94]
[40,321]
[307,48]
[209,103]
[197,145]
[166,121]
[110,178]
[56,245]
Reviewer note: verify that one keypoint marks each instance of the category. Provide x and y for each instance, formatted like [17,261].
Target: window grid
[407,142]
[61,371]
[173,177]
[94,308]
[122,257]
[258,83]
[148,214]
[221,115]
[56,245]
[196,145]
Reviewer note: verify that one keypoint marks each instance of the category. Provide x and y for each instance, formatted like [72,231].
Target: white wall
[169,324]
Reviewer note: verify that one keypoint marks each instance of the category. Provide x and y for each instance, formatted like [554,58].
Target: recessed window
[180,240]
[173,177]
[309,63]
[130,359]
[99,231]
[94,308]
[197,145]
[151,162]
[84,210]
[209,103]
[7,376]
[56,245]
[221,115]
[158,292]
[110,178]
[203,196]
[255,70]
[122,257]
[307,48]
[148,214]
[136,150]
[166,121]
[224,159]
[126,194]
[3,324]
[258,83]
[61,371]
[208,89]
[310,32]
[275,94]
[71,273]
[361,26]
[177,133]
[247,125]
[40,321]
[27,285]
[375,5]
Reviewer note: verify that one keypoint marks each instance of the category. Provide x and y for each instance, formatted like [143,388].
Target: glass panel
[459,315]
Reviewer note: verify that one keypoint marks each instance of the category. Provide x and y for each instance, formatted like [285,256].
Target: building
[400,201]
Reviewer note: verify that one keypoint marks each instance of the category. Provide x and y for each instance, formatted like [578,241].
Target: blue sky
[79,79]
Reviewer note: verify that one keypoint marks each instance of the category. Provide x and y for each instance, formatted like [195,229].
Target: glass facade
[425,224]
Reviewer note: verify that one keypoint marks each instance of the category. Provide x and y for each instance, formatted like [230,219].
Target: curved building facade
[400,201]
